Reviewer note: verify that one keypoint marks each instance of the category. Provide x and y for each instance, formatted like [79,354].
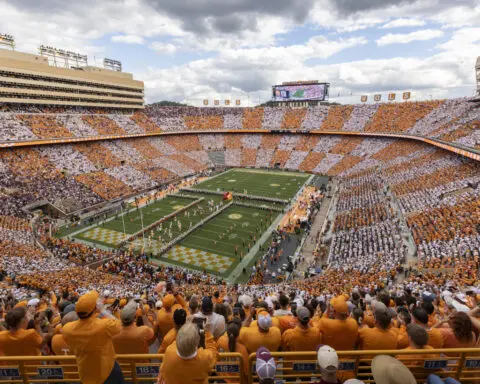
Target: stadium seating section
[386,188]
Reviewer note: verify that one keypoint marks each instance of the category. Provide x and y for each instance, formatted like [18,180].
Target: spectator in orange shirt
[459,333]
[341,331]
[418,339]
[435,337]
[185,362]
[91,338]
[133,339]
[18,340]
[229,343]
[382,336]
[179,319]
[59,345]
[303,337]
[262,335]
[165,315]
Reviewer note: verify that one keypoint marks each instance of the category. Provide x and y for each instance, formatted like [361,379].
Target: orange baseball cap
[339,304]
[87,302]
[168,301]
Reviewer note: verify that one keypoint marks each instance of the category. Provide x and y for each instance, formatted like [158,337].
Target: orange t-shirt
[24,342]
[253,339]
[222,346]
[376,338]
[165,319]
[451,341]
[341,335]
[286,322]
[402,338]
[176,370]
[408,359]
[301,339]
[60,346]
[92,342]
[169,339]
[133,340]
[435,338]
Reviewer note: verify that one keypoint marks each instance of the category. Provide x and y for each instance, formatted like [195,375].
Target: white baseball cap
[327,357]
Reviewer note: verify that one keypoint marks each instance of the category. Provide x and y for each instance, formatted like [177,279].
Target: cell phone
[236,312]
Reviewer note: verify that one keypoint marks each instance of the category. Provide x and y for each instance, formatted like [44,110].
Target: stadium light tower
[113,65]
[7,41]
[69,59]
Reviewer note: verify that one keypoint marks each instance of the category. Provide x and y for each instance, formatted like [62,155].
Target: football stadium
[164,222]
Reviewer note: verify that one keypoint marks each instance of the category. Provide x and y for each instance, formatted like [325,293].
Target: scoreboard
[300,91]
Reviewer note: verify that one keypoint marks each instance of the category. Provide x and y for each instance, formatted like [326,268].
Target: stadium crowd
[368,298]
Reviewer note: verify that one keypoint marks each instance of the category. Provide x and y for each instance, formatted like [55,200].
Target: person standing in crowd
[59,345]
[341,331]
[91,338]
[264,334]
[215,323]
[133,339]
[18,340]
[186,362]
[303,337]
[382,336]
[171,302]
[229,343]
[435,337]
[179,319]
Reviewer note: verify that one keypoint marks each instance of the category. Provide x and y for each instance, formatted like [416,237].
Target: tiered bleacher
[392,197]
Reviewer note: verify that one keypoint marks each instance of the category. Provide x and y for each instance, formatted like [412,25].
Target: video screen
[299,92]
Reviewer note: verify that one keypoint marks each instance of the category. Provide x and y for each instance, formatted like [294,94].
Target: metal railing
[136,369]
[461,364]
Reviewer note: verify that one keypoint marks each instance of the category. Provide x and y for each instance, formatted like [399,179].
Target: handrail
[137,368]
[460,363]
[459,149]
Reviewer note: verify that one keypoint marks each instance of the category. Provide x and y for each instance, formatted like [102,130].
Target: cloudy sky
[188,50]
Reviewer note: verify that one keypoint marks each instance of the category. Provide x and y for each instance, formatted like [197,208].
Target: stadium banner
[205,102]
[216,102]
[377,97]
[300,92]
[364,98]
[227,102]
[237,102]
[406,95]
[391,96]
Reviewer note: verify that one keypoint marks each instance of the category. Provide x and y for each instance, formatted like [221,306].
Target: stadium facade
[29,79]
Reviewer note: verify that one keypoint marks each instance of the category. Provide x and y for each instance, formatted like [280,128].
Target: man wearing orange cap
[165,314]
[341,331]
[91,340]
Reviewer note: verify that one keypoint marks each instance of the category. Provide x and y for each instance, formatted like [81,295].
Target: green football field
[280,185]
[216,246]
[220,244]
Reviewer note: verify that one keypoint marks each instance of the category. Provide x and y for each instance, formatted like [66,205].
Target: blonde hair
[187,340]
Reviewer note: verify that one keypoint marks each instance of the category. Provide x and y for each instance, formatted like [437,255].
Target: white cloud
[404,38]
[403,22]
[128,39]
[163,48]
